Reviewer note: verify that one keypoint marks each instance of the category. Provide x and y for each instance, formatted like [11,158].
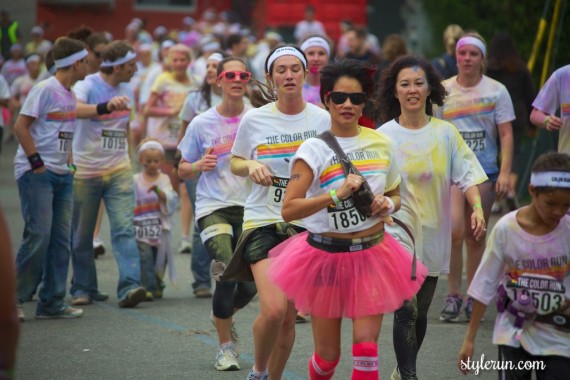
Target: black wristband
[102,109]
[36,161]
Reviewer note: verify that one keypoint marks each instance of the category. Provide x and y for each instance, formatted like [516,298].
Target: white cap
[37,30]
[188,21]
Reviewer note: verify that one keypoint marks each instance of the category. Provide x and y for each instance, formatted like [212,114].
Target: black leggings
[410,326]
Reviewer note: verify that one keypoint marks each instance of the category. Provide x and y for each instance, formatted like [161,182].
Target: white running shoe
[226,358]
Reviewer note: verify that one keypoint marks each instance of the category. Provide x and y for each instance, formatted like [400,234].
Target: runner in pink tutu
[346,266]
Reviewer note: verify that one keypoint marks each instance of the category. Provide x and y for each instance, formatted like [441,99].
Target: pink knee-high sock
[321,369]
[365,357]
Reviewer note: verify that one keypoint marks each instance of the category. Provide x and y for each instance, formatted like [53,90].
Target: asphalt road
[173,338]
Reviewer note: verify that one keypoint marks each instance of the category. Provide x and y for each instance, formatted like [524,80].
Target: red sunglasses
[231,75]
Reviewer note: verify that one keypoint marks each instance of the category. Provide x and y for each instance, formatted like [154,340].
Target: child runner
[527,266]
[220,196]
[45,129]
[155,203]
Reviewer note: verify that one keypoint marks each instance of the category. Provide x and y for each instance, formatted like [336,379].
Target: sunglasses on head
[356,98]
[231,75]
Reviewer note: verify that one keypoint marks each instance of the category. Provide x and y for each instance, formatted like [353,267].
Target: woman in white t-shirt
[220,195]
[346,266]
[266,140]
[526,267]
[318,51]
[432,156]
[482,110]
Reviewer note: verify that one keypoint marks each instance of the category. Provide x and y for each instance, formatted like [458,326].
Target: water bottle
[525,310]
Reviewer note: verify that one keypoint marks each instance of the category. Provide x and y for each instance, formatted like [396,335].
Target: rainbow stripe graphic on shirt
[474,109]
[286,150]
[222,149]
[115,115]
[151,206]
[556,271]
[366,168]
[565,109]
[61,117]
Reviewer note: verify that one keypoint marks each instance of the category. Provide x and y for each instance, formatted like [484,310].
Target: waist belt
[335,245]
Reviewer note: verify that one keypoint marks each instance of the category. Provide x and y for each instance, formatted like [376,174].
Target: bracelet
[194,168]
[477,205]
[157,190]
[545,122]
[102,109]
[36,161]
[392,205]
[337,201]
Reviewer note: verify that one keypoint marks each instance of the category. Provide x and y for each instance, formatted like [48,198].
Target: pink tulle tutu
[372,281]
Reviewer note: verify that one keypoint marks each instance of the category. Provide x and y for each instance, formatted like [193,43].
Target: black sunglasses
[356,98]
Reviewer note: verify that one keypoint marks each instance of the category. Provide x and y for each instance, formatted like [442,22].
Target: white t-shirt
[22,86]
[54,108]
[512,256]
[217,188]
[13,69]
[101,144]
[151,215]
[4,94]
[195,104]
[272,138]
[554,95]
[431,159]
[147,82]
[305,28]
[171,95]
[476,112]
[373,155]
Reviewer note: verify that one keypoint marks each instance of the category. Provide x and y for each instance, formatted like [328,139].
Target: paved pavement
[173,338]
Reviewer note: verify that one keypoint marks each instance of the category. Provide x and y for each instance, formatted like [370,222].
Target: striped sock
[365,357]
[321,369]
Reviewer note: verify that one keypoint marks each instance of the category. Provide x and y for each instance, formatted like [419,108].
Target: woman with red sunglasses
[346,266]
[220,195]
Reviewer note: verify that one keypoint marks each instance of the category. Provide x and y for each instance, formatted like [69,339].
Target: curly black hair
[387,106]
[351,68]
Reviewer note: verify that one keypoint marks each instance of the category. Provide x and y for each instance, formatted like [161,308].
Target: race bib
[64,142]
[475,140]
[345,215]
[113,140]
[276,192]
[174,127]
[547,293]
[148,229]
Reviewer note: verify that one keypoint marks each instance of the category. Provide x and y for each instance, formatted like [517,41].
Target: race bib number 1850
[345,215]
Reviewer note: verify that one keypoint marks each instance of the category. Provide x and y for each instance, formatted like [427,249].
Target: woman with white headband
[266,140]
[482,110]
[45,129]
[318,52]
[526,269]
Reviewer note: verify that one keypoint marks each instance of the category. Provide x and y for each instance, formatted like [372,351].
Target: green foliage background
[518,17]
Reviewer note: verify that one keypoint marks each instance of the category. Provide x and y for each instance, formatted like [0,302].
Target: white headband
[151,145]
[285,50]
[316,42]
[468,40]
[70,59]
[33,58]
[214,45]
[217,57]
[129,56]
[550,179]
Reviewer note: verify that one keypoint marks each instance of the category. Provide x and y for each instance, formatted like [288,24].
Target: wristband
[392,205]
[545,122]
[72,168]
[102,109]
[35,161]
[157,190]
[335,197]
[194,168]
[477,205]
